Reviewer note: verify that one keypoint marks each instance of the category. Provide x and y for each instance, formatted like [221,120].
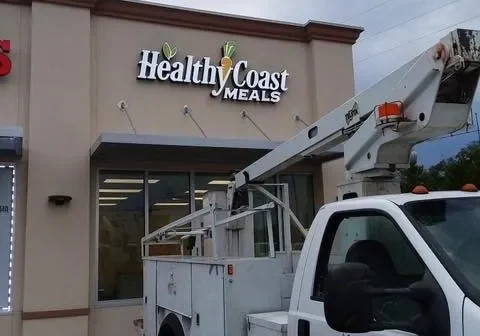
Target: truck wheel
[171,326]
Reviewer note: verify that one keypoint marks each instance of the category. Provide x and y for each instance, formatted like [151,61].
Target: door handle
[303,328]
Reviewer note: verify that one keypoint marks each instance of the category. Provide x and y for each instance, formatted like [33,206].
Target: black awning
[11,143]
[121,147]
[150,148]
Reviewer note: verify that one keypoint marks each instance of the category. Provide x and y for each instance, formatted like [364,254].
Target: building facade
[115,116]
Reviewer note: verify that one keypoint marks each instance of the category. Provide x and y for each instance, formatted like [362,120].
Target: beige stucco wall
[68,75]
[14,103]
[15,26]
[332,88]
[57,239]
[156,107]
[75,326]
[116,321]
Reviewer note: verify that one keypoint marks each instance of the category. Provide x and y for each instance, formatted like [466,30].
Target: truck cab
[391,265]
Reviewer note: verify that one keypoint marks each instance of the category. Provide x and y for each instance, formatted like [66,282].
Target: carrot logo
[226,61]
[169,51]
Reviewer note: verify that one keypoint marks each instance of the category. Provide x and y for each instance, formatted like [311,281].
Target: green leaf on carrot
[229,49]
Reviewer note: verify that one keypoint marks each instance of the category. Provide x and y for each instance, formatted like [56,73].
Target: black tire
[171,326]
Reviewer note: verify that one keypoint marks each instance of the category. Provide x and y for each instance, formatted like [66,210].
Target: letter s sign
[5,62]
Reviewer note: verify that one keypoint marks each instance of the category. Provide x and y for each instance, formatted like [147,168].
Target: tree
[449,174]
[413,176]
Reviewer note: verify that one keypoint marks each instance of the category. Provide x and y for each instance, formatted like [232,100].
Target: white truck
[376,261]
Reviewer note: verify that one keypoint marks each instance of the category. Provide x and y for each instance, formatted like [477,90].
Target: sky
[394,32]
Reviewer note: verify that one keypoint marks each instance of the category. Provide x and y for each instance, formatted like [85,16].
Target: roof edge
[211,21]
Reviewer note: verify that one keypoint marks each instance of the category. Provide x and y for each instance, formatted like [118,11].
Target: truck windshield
[452,228]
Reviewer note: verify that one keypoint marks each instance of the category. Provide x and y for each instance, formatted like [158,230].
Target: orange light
[388,111]
[230,269]
[420,190]
[470,187]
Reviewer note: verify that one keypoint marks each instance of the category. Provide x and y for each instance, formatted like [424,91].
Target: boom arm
[429,96]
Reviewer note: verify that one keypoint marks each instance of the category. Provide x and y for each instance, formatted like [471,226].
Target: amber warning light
[390,111]
[420,190]
[230,269]
[469,187]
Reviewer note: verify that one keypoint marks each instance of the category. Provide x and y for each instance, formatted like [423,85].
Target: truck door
[370,237]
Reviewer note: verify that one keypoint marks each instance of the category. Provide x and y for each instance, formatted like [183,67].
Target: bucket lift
[428,97]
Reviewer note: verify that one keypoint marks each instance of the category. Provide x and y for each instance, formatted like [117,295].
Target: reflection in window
[122,221]
[374,240]
[260,221]
[168,200]
[121,227]
[210,182]
[300,189]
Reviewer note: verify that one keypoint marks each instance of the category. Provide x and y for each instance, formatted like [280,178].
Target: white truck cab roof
[401,199]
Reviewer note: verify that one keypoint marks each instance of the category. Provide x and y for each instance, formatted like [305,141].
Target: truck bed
[225,290]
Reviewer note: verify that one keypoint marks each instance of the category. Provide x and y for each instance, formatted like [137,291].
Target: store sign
[6,222]
[5,62]
[230,81]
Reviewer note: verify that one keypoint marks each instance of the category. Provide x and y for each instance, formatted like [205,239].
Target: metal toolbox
[268,324]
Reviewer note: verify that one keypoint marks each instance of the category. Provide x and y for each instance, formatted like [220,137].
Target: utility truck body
[375,262]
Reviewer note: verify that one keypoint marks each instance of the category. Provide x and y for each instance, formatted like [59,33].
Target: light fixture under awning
[11,143]
[184,149]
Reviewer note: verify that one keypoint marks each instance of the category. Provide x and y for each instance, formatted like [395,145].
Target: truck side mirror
[348,308]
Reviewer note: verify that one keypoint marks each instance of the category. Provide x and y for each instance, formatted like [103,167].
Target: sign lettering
[5,62]
[230,81]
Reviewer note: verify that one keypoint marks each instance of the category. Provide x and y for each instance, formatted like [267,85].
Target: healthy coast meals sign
[229,80]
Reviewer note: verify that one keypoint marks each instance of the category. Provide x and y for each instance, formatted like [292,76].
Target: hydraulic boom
[428,97]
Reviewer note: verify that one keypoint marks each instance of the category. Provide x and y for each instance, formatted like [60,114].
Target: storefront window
[300,187]
[168,200]
[211,182]
[121,212]
[122,222]
[260,221]
[7,181]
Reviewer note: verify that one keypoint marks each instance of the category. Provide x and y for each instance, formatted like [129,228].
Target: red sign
[5,62]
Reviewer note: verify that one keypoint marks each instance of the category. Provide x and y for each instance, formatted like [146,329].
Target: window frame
[331,229]
[96,243]
[97,170]
[13,232]
[312,195]
[463,283]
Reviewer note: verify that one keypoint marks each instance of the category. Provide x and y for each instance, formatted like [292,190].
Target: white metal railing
[164,234]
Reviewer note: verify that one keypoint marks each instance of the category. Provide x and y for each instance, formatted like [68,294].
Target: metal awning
[11,143]
[123,146]
[148,148]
